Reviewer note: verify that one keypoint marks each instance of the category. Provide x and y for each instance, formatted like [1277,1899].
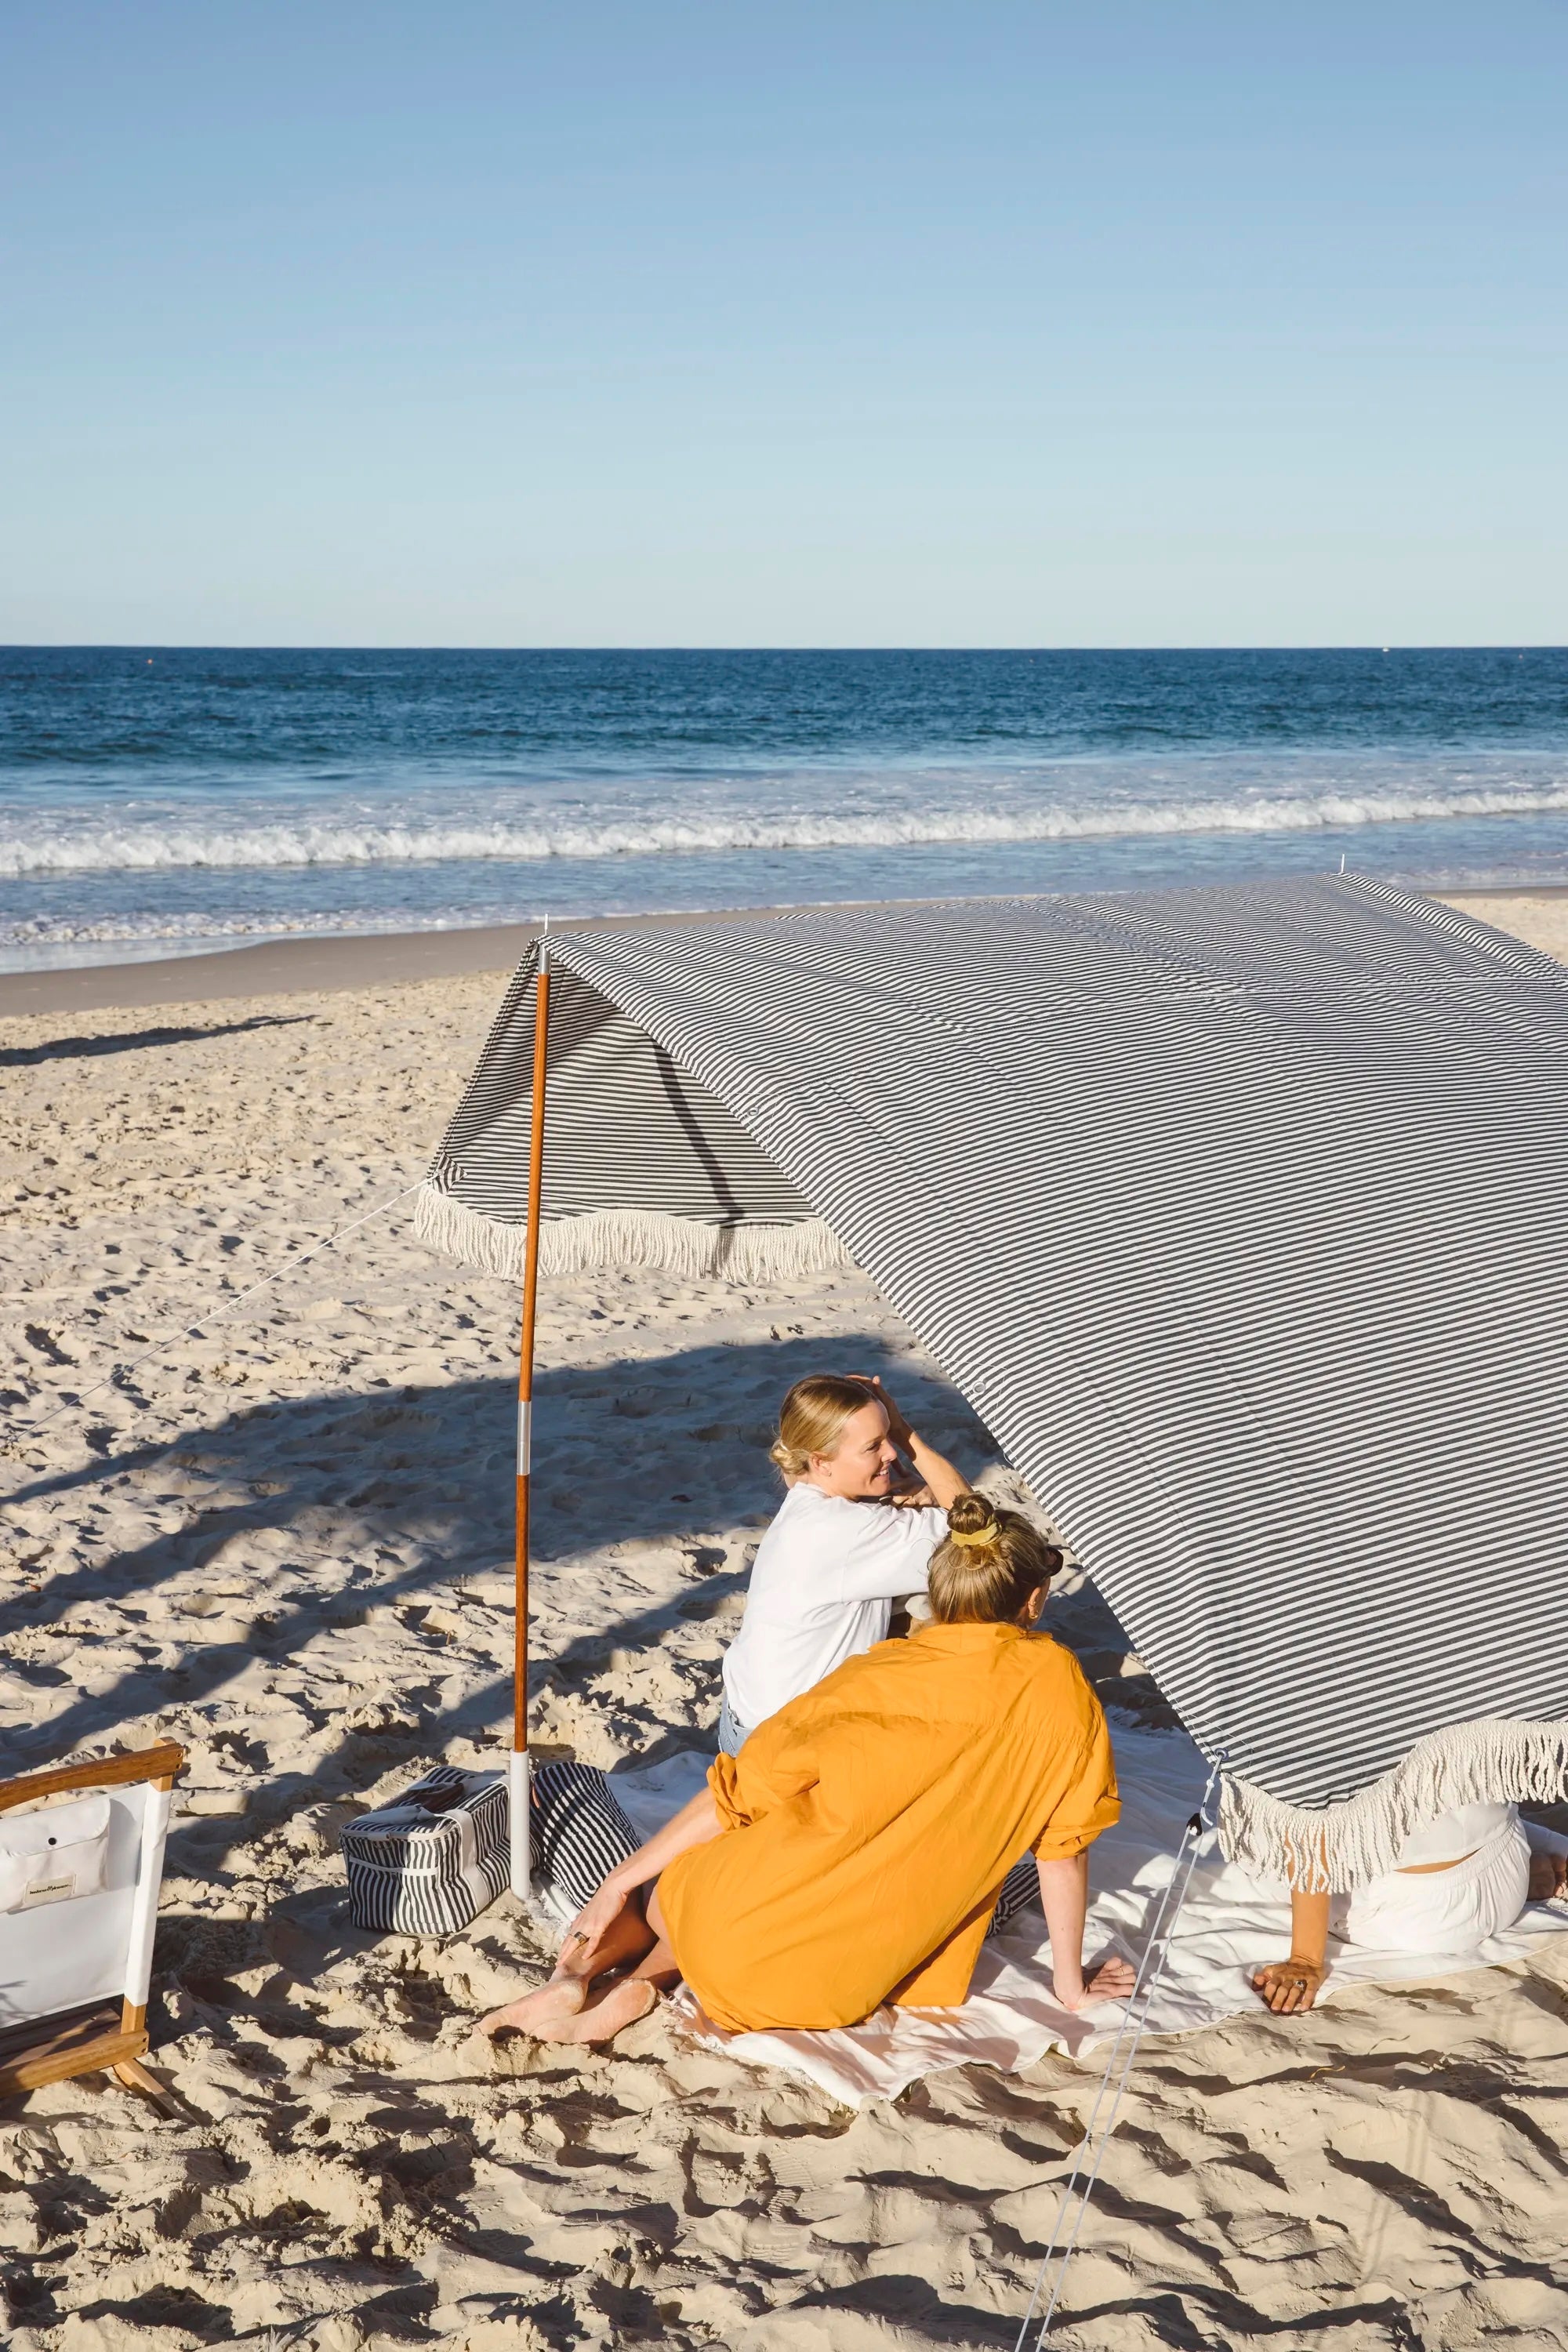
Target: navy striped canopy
[1239,1216]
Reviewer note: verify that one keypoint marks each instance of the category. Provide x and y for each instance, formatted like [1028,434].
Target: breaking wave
[164,846]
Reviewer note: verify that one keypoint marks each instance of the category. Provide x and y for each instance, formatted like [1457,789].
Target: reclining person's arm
[1291,1985]
[1294,1984]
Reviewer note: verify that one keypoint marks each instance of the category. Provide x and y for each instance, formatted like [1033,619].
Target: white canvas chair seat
[79,1901]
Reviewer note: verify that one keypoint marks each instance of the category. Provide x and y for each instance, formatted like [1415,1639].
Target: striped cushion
[1020,1890]
[579,1832]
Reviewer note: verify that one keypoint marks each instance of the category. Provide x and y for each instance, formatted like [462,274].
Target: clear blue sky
[1139,323]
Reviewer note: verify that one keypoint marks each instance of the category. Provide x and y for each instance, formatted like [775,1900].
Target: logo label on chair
[58,1889]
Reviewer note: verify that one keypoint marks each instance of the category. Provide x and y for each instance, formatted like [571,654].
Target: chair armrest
[158,1764]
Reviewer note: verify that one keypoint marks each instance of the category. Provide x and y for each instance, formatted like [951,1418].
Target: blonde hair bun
[972,1521]
[988,1565]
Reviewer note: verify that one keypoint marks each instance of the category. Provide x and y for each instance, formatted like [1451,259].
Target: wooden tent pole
[518,1775]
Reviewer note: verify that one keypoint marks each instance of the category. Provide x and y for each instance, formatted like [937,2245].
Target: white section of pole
[517,1776]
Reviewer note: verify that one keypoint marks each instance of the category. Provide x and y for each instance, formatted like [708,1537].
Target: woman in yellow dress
[851,1853]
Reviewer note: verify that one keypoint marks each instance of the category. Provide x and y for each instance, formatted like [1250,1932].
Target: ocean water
[156,802]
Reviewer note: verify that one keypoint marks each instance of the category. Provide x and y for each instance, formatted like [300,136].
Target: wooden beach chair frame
[108,2033]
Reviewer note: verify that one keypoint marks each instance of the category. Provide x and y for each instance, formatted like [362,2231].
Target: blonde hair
[812,1419]
[988,1564]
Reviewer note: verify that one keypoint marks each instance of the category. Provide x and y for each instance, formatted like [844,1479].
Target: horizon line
[152,645]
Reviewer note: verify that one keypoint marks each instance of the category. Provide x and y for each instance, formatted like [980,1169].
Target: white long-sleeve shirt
[822,1588]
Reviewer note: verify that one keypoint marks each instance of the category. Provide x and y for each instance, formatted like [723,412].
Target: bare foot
[622,2005]
[540,2013]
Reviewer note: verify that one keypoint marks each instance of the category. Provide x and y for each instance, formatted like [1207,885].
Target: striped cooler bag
[428,1863]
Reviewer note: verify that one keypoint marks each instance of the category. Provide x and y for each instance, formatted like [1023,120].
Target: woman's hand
[1291,1985]
[585,1936]
[907,1488]
[899,1429]
[1113,1979]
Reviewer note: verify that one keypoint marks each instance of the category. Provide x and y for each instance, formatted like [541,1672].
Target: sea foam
[38,846]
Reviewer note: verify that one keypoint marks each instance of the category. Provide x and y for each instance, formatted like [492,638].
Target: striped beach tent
[1239,1216]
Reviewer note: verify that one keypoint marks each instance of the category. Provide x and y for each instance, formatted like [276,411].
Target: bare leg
[554,2005]
[601,2017]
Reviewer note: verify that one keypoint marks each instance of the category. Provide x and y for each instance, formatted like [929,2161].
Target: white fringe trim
[686,1246]
[1501,1760]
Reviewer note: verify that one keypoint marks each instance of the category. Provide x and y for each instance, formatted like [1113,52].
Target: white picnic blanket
[1229,1923]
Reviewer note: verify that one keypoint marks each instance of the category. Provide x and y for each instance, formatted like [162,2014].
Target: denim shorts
[732,1735]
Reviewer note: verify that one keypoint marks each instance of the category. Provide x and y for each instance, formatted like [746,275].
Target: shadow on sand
[413,1487]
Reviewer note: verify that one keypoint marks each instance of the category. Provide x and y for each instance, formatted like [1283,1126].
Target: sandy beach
[286,1544]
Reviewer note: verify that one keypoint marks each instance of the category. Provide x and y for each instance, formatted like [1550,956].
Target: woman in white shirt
[841,1548]
[1458,1880]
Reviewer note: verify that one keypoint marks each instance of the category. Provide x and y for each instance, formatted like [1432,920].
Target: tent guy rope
[1097,2137]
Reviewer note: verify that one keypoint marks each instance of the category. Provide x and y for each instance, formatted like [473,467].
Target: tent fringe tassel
[1334,1848]
[630,1237]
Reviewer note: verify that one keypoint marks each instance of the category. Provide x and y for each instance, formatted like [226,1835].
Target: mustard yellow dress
[869,1826]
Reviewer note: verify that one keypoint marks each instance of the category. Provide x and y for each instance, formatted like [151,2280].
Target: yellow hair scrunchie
[979,1535]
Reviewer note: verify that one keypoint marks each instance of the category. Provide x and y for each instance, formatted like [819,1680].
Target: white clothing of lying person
[1458,1880]
[841,1548]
